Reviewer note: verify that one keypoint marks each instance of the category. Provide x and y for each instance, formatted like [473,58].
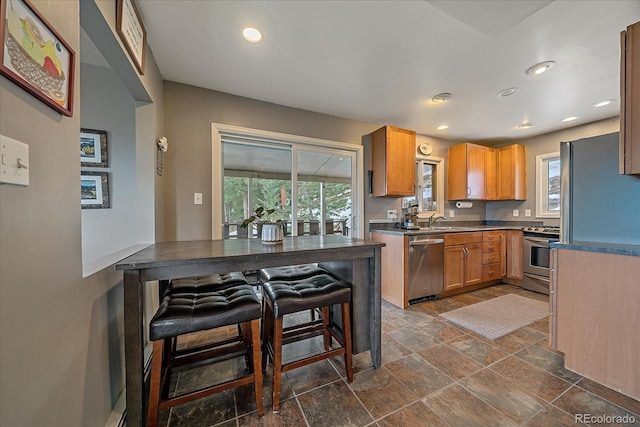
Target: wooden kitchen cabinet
[594,316]
[466,174]
[514,256]
[393,162]
[511,172]
[462,260]
[630,101]
[493,254]
[476,172]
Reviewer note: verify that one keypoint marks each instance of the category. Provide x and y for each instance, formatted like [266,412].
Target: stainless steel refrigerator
[597,203]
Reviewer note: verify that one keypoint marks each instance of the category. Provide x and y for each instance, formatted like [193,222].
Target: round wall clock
[425,149]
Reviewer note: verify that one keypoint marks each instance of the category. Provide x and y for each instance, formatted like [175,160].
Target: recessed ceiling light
[508,92]
[603,103]
[252,35]
[525,125]
[441,97]
[443,127]
[569,119]
[540,68]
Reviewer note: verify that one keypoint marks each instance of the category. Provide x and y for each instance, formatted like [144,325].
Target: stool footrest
[204,392]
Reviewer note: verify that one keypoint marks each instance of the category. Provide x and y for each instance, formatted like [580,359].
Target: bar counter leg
[375,292]
[133,348]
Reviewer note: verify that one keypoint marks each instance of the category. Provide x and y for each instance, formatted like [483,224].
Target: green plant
[261,214]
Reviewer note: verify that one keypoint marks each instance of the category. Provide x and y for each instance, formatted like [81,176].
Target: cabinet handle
[468,191]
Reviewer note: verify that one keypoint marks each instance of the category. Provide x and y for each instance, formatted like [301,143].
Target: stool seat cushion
[291,272]
[297,295]
[204,283]
[186,312]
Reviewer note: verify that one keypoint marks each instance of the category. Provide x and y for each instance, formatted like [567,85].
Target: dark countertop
[606,248]
[443,229]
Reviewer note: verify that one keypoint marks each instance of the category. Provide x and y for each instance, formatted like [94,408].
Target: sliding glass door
[312,185]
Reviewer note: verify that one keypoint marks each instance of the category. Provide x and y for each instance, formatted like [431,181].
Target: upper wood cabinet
[630,101]
[511,172]
[393,162]
[466,174]
[476,172]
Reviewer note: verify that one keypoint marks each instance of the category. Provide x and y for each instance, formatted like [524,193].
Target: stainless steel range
[537,256]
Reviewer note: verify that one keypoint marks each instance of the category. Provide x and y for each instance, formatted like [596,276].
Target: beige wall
[542,144]
[55,361]
[189,112]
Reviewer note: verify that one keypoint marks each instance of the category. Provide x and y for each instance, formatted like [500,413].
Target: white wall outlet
[452,213]
[392,214]
[527,212]
[197,198]
[516,212]
[14,161]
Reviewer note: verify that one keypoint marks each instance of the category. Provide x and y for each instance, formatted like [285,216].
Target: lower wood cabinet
[594,318]
[515,256]
[462,260]
[493,254]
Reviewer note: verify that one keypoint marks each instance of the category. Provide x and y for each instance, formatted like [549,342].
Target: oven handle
[538,242]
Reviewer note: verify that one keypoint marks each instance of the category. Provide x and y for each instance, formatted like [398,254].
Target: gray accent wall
[59,339]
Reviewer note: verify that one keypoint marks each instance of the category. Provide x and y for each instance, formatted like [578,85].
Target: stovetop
[543,230]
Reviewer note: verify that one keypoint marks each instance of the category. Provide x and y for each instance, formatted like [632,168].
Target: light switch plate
[14,161]
[527,212]
[452,213]
[392,214]
[516,212]
[197,198]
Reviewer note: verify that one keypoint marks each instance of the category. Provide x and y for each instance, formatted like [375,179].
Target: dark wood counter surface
[354,260]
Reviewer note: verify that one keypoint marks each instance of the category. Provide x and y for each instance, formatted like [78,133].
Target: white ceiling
[383,61]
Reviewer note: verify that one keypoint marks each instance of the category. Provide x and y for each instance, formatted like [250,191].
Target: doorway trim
[220,131]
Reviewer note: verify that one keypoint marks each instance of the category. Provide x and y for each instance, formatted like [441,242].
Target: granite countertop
[440,229]
[606,248]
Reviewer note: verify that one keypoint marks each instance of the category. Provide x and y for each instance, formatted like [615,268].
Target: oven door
[537,256]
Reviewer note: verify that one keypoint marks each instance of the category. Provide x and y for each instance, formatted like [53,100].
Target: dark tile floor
[434,373]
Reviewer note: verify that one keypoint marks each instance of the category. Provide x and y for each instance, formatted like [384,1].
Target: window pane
[553,185]
[428,187]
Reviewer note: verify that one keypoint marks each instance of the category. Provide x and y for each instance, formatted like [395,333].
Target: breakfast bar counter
[356,261]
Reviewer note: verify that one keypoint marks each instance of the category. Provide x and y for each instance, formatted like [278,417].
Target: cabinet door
[401,159]
[473,264]
[491,174]
[476,176]
[454,263]
[511,182]
[514,254]
[630,101]
[457,172]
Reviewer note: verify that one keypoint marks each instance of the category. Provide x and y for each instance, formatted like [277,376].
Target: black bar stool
[282,297]
[186,311]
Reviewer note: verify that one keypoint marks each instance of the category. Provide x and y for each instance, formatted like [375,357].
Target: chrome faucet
[433,218]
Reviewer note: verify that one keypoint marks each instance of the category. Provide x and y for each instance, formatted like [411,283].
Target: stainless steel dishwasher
[426,267]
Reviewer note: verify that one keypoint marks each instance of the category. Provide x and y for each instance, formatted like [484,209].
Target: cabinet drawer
[491,272]
[491,247]
[492,236]
[491,258]
[451,239]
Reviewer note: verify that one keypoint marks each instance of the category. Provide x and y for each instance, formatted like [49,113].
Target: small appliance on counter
[410,218]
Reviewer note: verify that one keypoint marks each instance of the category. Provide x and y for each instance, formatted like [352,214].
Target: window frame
[542,185]
[438,162]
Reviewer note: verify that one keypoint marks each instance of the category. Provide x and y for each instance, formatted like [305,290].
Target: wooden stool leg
[156,378]
[277,363]
[267,332]
[346,328]
[326,336]
[254,327]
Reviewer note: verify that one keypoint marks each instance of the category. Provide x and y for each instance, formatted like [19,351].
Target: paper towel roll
[464,205]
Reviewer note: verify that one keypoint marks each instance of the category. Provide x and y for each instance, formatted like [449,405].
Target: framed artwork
[93,148]
[131,29]
[94,190]
[35,57]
